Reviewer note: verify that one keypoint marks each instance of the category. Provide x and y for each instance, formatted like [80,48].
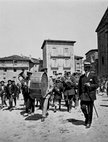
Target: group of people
[83,90]
[10,92]
[103,85]
[69,88]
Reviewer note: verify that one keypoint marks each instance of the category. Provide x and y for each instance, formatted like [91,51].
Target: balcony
[60,57]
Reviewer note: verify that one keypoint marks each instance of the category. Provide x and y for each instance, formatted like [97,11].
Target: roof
[92,50]
[78,57]
[57,42]
[103,21]
[19,58]
[14,57]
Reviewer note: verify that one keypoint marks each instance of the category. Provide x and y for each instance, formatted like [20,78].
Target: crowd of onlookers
[103,85]
[9,94]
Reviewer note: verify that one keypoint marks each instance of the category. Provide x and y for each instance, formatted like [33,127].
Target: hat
[2,81]
[88,64]
[9,80]
[43,69]
[29,72]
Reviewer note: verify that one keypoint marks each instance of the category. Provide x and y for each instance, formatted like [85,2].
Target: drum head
[44,84]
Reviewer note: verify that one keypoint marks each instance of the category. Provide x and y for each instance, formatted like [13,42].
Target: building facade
[78,64]
[102,39]
[58,56]
[11,66]
[92,57]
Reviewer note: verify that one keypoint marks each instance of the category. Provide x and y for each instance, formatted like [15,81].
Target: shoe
[43,119]
[85,122]
[47,114]
[25,114]
[11,109]
[55,109]
[88,125]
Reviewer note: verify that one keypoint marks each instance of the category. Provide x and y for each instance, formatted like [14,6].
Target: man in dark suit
[88,83]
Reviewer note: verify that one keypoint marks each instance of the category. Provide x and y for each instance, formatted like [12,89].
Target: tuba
[22,78]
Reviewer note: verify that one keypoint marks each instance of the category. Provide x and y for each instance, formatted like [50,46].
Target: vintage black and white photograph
[53,70]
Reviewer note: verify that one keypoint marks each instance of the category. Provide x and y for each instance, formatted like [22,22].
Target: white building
[78,64]
[58,56]
[11,66]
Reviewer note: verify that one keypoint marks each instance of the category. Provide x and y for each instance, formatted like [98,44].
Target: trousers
[45,105]
[87,109]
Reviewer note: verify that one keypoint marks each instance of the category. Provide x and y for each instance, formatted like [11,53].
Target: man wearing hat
[10,94]
[88,83]
[3,93]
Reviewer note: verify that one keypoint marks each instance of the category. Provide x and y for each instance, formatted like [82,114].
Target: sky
[25,24]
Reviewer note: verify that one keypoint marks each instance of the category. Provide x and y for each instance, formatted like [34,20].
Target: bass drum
[38,85]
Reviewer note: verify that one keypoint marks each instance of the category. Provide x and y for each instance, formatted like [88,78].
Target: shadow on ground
[104,100]
[104,105]
[76,121]
[62,109]
[34,117]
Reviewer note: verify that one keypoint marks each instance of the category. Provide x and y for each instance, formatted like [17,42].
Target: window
[14,62]
[64,72]
[60,51]
[54,63]
[15,70]
[66,63]
[3,63]
[54,51]
[5,70]
[54,72]
[102,60]
[66,51]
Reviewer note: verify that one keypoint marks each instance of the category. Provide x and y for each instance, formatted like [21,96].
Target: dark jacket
[2,90]
[69,86]
[14,90]
[9,90]
[87,93]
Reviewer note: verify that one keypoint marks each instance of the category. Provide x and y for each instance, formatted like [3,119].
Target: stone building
[92,57]
[58,56]
[11,66]
[78,64]
[102,38]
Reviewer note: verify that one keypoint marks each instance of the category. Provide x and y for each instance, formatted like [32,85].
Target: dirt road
[61,126]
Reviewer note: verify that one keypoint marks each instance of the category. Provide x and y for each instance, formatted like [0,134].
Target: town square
[53,70]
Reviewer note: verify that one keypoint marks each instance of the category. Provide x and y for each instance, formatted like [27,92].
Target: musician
[31,101]
[87,86]
[45,104]
[69,90]
[57,91]
[3,94]
[9,90]
[15,91]
[24,79]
